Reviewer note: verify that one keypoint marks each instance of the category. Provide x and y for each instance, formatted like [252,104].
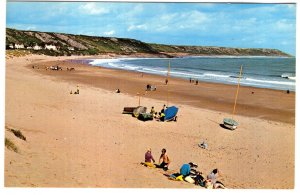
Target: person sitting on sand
[159,116]
[162,116]
[185,169]
[213,178]
[165,160]
[149,158]
[152,111]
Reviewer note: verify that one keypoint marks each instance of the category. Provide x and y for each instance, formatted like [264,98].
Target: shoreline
[207,95]
[285,84]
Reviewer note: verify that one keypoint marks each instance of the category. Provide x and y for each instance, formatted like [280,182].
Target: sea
[263,72]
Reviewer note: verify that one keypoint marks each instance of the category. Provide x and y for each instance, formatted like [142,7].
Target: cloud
[109,33]
[94,9]
[246,25]
[137,27]
[30,28]
[284,25]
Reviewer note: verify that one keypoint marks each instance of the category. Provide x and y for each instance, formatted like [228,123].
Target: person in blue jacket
[186,168]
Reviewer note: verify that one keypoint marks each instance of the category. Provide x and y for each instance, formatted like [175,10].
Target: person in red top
[149,158]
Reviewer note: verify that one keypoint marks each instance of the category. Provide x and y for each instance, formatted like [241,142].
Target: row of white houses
[36,47]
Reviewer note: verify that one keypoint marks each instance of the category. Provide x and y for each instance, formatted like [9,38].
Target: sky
[203,24]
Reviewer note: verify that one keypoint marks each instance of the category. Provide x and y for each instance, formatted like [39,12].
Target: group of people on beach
[193,80]
[159,116]
[187,171]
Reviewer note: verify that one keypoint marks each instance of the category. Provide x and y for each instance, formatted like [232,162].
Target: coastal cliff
[61,44]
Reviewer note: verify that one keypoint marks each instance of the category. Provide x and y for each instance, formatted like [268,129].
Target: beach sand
[84,140]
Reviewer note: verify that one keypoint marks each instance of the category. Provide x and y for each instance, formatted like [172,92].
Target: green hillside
[68,44]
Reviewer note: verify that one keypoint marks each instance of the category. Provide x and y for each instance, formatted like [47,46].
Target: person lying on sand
[186,173]
[213,178]
[185,169]
[165,160]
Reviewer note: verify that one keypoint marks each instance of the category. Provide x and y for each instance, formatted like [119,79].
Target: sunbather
[185,169]
[165,160]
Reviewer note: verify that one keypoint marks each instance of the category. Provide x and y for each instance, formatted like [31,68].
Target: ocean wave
[290,76]
[271,82]
[216,75]
[191,69]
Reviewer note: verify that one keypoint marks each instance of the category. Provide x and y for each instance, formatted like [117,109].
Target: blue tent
[170,113]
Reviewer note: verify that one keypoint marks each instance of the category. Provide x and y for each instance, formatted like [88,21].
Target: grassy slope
[97,45]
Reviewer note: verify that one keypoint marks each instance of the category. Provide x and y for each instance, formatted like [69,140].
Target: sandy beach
[85,141]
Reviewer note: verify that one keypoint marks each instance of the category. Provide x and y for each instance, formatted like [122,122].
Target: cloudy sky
[205,24]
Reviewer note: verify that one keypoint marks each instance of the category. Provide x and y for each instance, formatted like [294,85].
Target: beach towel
[170,113]
[189,179]
[179,178]
[149,164]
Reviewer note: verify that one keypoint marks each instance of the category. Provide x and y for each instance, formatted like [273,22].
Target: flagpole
[168,75]
[237,91]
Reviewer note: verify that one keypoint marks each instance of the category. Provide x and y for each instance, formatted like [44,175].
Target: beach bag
[189,179]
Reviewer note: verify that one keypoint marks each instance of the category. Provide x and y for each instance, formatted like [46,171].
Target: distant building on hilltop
[19,46]
[51,47]
[37,47]
[71,48]
[11,46]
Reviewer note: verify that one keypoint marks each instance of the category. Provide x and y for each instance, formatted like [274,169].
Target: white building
[37,47]
[71,48]
[11,46]
[19,46]
[50,47]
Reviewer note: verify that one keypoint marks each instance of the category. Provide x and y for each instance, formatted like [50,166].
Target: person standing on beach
[166,81]
[163,109]
[165,160]
[149,158]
